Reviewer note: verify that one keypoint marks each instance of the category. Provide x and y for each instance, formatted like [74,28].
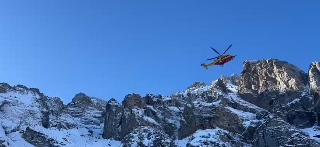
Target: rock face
[314,76]
[114,112]
[37,139]
[132,100]
[271,76]
[276,132]
[280,88]
[196,110]
[88,109]
[272,103]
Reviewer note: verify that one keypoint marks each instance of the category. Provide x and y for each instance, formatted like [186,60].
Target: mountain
[271,104]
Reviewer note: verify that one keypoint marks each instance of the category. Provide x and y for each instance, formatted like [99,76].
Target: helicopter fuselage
[223,59]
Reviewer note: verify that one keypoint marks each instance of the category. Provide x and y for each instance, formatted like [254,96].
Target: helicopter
[220,60]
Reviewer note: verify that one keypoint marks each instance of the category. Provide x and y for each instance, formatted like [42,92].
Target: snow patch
[234,97]
[232,87]
[246,117]
[312,132]
[251,61]
[3,136]
[202,137]
[293,101]
[28,99]
[166,98]
[146,136]
[75,137]
[149,119]
[16,140]
[139,113]
[115,103]
[207,135]
[175,109]
[19,110]
[199,103]
[198,90]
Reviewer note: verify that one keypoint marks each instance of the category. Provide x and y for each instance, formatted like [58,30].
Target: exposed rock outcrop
[276,132]
[38,139]
[314,76]
[113,120]
[281,88]
[88,109]
[272,76]
[132,100]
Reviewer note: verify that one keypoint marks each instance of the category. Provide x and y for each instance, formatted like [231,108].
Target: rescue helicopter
[220,60]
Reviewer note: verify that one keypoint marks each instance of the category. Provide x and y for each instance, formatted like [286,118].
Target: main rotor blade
[212,58]
[226,49]
[216,51]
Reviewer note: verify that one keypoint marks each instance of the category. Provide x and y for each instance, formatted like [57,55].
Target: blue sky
[112,48]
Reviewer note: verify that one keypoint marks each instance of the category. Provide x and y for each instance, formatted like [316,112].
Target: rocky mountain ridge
[272,103]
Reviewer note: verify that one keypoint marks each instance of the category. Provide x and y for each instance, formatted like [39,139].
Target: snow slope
[208,136]
[21,108]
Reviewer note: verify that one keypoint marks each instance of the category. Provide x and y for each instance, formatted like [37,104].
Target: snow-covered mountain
[272,103]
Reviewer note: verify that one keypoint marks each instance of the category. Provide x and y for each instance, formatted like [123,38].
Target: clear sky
[110,48]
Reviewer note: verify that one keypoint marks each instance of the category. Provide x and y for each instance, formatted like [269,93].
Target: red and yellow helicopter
[220,60]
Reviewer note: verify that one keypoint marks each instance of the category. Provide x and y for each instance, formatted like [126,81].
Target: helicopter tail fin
[204,65]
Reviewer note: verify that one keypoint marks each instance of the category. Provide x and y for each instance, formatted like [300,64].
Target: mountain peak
[4,87]
[82,98]
[272,75]
[113,101]
[196,85]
